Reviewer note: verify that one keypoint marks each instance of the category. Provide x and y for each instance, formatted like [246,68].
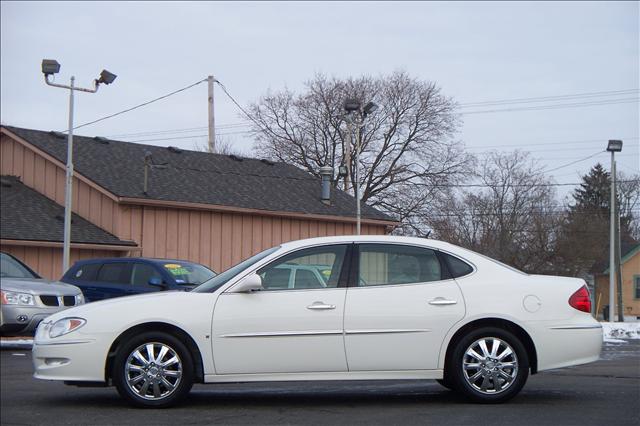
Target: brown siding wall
[49,179]
[47,261]
[218,240]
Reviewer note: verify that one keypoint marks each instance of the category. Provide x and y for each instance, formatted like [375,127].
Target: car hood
[110,304]
[38,286]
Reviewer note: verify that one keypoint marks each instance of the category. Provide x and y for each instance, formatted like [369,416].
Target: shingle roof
[25,214]
[196,177]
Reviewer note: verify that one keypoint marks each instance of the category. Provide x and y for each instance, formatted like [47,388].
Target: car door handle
[318,306]
[440,301]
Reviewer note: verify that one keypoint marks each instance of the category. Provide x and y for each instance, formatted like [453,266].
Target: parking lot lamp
[353,106]
[613,147]
[51,67]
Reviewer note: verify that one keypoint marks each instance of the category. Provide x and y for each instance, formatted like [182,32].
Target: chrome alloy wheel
[153,371]
[490,365]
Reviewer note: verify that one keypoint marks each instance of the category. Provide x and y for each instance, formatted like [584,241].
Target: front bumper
[20,319]
[76,359]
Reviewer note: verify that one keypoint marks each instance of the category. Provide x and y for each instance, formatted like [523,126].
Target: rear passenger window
[87,272]
[457,267]
[118,273]
[388,264]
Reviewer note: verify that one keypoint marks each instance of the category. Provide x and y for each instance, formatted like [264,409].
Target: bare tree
[223,146]
[407,145]
[510,215]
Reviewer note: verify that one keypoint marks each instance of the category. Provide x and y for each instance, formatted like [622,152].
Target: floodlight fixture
[369,108]
[50,66]
[351,105]
[106,77]
[614,145]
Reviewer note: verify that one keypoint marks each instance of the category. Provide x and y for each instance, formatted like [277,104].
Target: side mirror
[157,282]
[248,284]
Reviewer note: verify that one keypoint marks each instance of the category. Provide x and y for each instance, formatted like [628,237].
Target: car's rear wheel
[153,369]
[445,383]
[489,365]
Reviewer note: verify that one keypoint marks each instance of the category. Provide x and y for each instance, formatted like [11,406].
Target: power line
[524,185]
[249,116]
[602,140]
[183,130]
[140,105]
[574,162]
[550,98]
[555,106]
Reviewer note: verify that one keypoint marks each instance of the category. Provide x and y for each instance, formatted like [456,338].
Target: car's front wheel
[153,369]
[489,365]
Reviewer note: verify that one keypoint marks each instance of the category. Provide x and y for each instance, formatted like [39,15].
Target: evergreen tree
[583,246]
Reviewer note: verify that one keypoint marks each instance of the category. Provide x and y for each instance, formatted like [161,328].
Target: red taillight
[581,300]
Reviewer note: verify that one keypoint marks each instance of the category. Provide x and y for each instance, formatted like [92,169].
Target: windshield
[10,268]
[224,277]
[188,273]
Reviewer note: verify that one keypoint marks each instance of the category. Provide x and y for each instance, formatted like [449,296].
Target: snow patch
[620,330]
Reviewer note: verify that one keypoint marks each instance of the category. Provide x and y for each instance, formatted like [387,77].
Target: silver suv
[27,299]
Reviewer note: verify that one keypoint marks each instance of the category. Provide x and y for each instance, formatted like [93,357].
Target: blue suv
[122,276]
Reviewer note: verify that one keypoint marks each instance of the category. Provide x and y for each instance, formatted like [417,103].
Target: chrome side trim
[386,331]
[285,333]
[576,327]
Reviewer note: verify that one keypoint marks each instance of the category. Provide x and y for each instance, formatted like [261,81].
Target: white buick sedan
[336,308]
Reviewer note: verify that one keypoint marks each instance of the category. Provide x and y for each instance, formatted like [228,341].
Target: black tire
[169,383]
[490,385]
[445,383]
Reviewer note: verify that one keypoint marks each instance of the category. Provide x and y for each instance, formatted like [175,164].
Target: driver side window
[312,268]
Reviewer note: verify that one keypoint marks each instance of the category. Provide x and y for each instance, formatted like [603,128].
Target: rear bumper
[563,345]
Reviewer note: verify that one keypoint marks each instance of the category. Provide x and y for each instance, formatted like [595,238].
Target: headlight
[65,326]
[79,299]
[14,298]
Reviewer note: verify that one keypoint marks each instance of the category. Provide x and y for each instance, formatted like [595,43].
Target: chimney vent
[326,173]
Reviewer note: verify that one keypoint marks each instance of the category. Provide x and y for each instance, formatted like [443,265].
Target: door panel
[399,309]
[284,329]
[396,328]
[277,332]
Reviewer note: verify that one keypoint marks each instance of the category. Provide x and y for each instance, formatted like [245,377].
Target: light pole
[613,147]
[50,67]
[352,106]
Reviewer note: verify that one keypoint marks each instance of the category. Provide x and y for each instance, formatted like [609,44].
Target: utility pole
[212,130]
[347,152]
[617,266]
[613,147]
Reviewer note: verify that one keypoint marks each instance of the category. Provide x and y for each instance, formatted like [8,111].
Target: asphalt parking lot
[603,393]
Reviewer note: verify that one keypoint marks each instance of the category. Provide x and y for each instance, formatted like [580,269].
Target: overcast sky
[475,51]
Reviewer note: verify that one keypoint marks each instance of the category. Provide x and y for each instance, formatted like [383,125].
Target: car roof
[133,259]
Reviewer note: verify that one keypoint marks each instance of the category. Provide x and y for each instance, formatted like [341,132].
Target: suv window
[118,273]
[9,267]
[316,267]
[142,273]
[86,272]
[388,264]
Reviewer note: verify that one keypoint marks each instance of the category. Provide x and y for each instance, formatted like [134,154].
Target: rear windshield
[185,273]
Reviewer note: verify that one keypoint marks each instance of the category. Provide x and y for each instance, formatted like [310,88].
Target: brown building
[630,266]
[208,208]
